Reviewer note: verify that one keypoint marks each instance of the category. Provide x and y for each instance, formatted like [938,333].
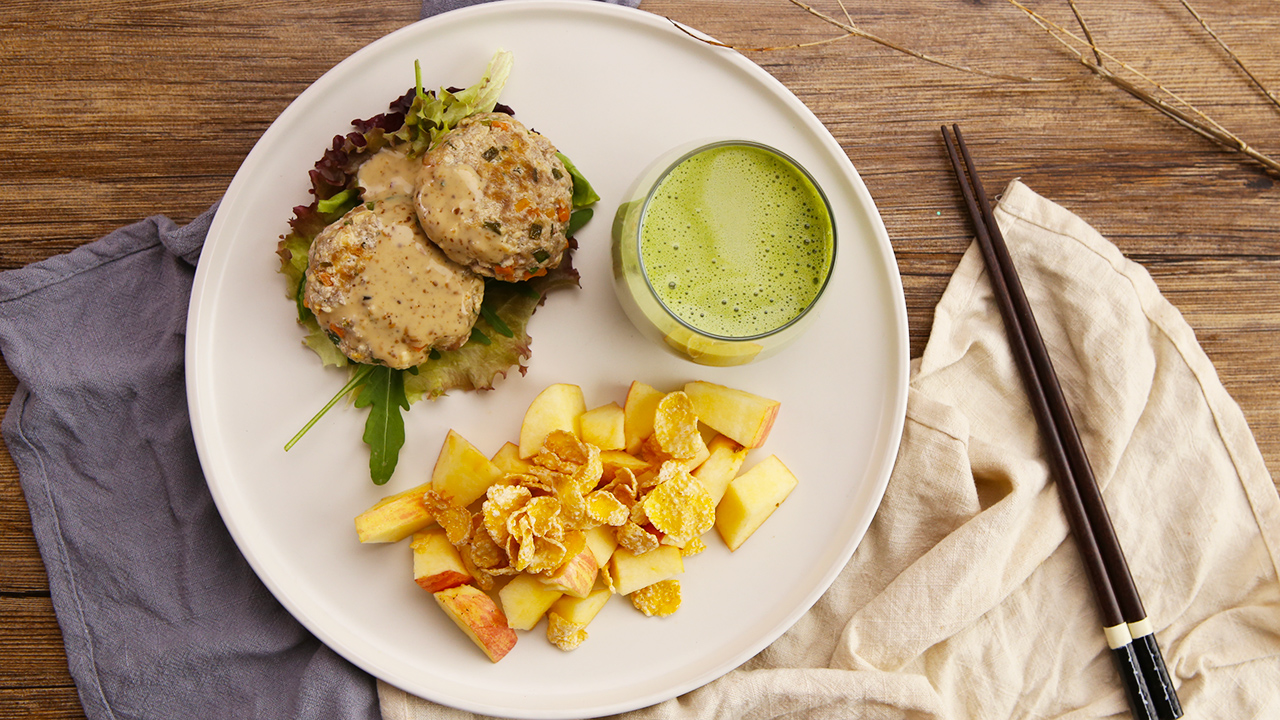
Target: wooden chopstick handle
[1115,628]
[1150,659]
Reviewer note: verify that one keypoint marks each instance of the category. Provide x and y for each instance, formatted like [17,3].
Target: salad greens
[499,341]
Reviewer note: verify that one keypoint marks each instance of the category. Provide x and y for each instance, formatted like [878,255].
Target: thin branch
[1188,115]
[845,10]
[770,48]
[851,29]
[1230,53]
[1085,27]
[1056,31]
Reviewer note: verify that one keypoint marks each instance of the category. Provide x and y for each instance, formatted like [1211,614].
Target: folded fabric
[160,614]
[967,597]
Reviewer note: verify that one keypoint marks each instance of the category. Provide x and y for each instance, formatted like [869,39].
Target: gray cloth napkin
[161,615]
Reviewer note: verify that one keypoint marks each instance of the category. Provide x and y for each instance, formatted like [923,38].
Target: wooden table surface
[114,111]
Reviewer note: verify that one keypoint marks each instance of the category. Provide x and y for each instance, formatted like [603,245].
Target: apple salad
[587,504]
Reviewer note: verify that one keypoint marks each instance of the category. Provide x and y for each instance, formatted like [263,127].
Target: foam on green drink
[736,242]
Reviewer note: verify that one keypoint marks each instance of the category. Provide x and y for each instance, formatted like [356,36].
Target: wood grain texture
[114,111]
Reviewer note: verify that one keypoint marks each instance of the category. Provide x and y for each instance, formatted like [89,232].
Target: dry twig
[850,30]
[1231,53]
[1166,101]
[1183,112]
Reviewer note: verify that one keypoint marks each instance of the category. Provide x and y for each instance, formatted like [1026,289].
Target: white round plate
[613,88]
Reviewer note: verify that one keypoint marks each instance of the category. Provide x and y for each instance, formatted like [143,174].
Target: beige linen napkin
[967,598]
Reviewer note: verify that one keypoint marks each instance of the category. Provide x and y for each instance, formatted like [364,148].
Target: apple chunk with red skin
[436,562]
[478,615]
[576,576]
[740,415]
[395,517]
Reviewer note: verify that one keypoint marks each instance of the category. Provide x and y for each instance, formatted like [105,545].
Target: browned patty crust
[495,198]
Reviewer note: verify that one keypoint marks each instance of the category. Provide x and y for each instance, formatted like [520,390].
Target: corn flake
[564,634]
[675,427]
[501,501]
[536,536]
[455,519]
[635,538]
[606,577]
[693,547]
[680,507]
[606,509]
[659,599]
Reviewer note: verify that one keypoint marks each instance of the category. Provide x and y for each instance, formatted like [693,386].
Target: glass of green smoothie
[722,251]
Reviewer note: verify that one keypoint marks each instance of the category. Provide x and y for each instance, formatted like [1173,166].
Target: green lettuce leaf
[435,113]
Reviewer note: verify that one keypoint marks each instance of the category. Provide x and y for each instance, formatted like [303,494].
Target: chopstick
[1128,630]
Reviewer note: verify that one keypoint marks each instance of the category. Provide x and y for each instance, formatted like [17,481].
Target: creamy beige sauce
[407,297]
[450,202]
[388,173]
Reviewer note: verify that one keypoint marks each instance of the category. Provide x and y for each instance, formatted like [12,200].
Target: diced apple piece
[581,611]
[721,467]
[738,414]
[576,576]
[462,472]
[395,517]
[751,498]
[479,617]
[638,411]
[558,407]
[525,600]
[601,541]
[604,427]
[436,563]
[508,460]
[630,572]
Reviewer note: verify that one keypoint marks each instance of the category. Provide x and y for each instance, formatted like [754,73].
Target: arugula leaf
[494,321]
[383,394]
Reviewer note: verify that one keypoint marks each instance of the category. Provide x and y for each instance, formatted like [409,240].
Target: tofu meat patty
[495,198]
[384,292]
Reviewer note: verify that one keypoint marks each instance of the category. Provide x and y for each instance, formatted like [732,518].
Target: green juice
[736,242]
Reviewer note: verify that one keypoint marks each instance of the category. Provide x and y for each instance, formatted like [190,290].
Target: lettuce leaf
[433,114]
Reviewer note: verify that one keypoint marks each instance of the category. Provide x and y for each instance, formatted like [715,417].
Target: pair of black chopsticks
[1128,631]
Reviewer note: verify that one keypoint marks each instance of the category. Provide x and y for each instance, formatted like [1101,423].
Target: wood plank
[115,110]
